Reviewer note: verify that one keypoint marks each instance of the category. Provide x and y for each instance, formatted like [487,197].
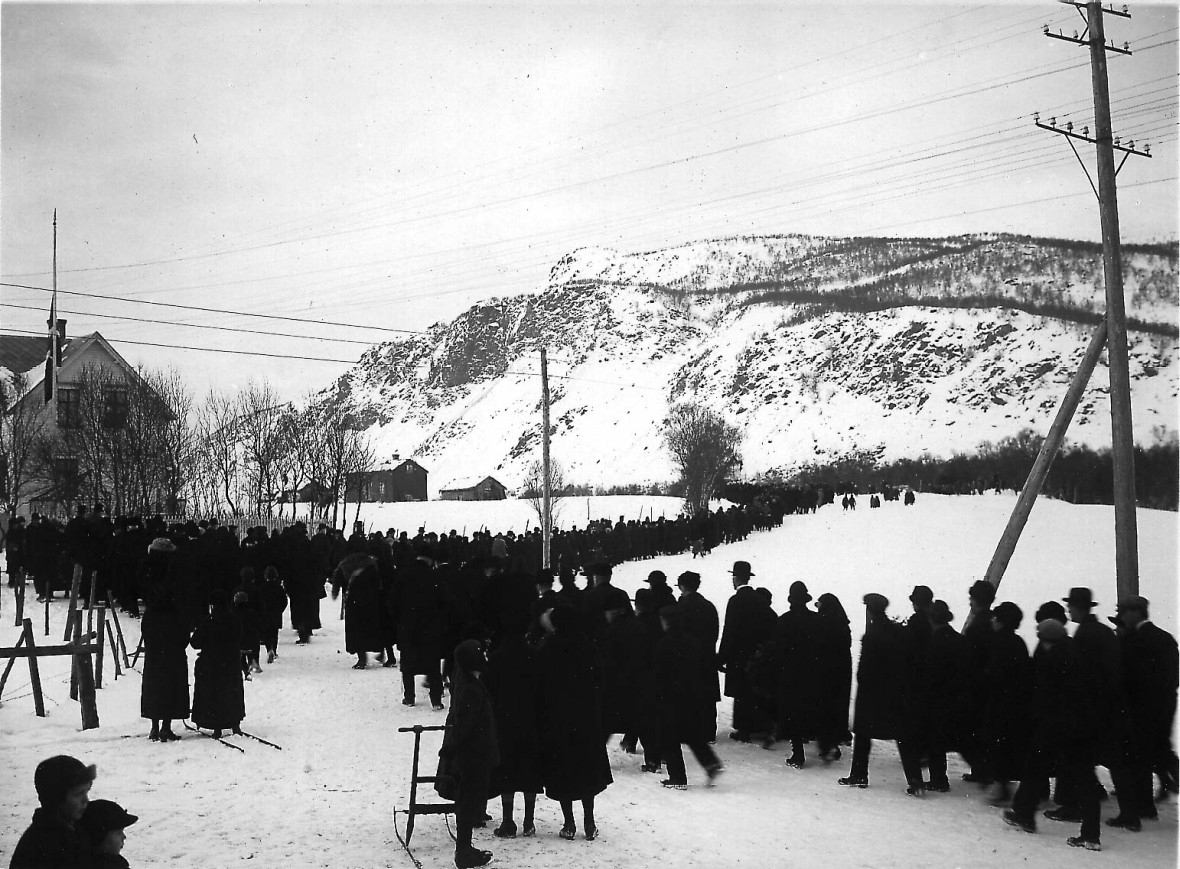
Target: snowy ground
[327,798]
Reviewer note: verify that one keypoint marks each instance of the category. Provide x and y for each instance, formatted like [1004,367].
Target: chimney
[396,456]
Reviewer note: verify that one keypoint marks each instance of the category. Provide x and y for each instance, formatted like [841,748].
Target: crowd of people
[544,671]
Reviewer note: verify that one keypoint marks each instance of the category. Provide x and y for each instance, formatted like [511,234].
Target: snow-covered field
[327,799]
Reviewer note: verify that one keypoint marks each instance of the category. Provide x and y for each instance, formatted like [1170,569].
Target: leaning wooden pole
[1040,468]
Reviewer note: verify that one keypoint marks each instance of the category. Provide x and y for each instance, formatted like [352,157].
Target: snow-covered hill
[815,347]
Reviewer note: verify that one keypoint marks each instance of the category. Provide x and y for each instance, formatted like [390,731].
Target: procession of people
[540,681]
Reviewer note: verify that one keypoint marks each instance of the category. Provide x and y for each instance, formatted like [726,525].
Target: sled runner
[416,808]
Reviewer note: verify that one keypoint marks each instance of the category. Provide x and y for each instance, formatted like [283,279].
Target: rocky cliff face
[815,347]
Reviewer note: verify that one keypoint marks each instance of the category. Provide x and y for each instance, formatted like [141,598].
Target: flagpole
[53,312]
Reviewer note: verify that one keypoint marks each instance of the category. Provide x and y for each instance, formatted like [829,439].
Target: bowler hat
[1080,597]
[940,613]
[922,595]
[1132,602]
[798,592]
[876,602]
[1008,614]
[741,568]
[1051,609]
[982,591]
[102,816]
[56,775]
[657,577]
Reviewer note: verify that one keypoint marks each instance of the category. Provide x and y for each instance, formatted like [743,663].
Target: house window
[69,413]
[409,469]
[114,407]
[65,476]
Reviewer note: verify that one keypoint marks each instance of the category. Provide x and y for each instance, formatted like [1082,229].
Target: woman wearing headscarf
[219,700]
[834,654]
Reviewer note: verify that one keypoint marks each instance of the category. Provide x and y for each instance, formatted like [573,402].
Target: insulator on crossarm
[1046,29]
[1131,144]
[1117,141]
[1147,150]
[1075,34]
[1036,117]
[1086,132]
[1069,126]
[1053,121]
[1126,46]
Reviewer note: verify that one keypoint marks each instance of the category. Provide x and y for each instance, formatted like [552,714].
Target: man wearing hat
[800,687]
[1063,735]
[1149,666]
[944,675]
[1010,685]
[602,597]
[1099,663]
[54,838]
[700,620]
[978,634]
[749,621]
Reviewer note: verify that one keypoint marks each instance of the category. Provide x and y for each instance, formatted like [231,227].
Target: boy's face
[75,802]
[113,842]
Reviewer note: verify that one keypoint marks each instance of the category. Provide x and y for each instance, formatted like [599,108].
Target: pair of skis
[226,742]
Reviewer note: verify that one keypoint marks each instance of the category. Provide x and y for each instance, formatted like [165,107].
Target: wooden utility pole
[1122,435]
[546,487]
[1126,535]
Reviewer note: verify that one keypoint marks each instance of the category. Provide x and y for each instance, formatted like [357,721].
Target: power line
[213,310]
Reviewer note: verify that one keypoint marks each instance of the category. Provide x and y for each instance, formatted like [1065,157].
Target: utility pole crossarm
[1109,10]
[1084,135]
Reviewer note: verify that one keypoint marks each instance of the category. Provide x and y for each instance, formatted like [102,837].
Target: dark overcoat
[945,693]
[569,703]
[700,620]
[470,749]
[302,579]
[625,653]
[800,681]
[834,649]
[749,621]
[1005,725]
[684,695]
[881,680]
[219,700]
[364,628]
[1149,680]
[164,688]
[512,682]
[422,626]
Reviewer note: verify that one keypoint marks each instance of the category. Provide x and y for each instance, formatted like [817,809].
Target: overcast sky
[389,165]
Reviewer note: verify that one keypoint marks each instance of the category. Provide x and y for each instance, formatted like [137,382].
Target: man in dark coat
[978,635]
[1149,679]
[749,622]
[834,650]
[421,625]
[700,620]
[1063,735]
[881,689]
[944,693]
[600,598]
[800,685]
[1010,683]
[686,710]
[303,581]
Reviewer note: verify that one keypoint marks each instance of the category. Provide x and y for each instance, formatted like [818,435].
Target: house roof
[30,351]
[475,485]
[22,353]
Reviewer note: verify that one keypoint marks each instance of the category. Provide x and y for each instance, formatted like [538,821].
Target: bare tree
[346,451]
[534,490]
[705,449]
[22,425]
[217,433]
[259,433]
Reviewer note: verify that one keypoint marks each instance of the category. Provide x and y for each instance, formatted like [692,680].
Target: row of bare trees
[142,444]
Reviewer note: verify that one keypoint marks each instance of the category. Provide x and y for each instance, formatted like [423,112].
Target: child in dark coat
[55,838]
[274,602]
[104,822]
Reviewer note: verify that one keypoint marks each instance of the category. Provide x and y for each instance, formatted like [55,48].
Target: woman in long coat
[512,682]
[164,688]
[219,700]
[364,627]
[834,649]
[569,704]
[1009,675]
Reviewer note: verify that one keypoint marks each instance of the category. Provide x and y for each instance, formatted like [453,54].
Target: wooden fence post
[34,669]
[122,641]
[114,652]
[75,585]
[19,593]
[8,666]
[101,622]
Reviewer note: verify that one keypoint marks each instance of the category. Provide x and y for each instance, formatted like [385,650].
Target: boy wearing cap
[104,822]
[54,839]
